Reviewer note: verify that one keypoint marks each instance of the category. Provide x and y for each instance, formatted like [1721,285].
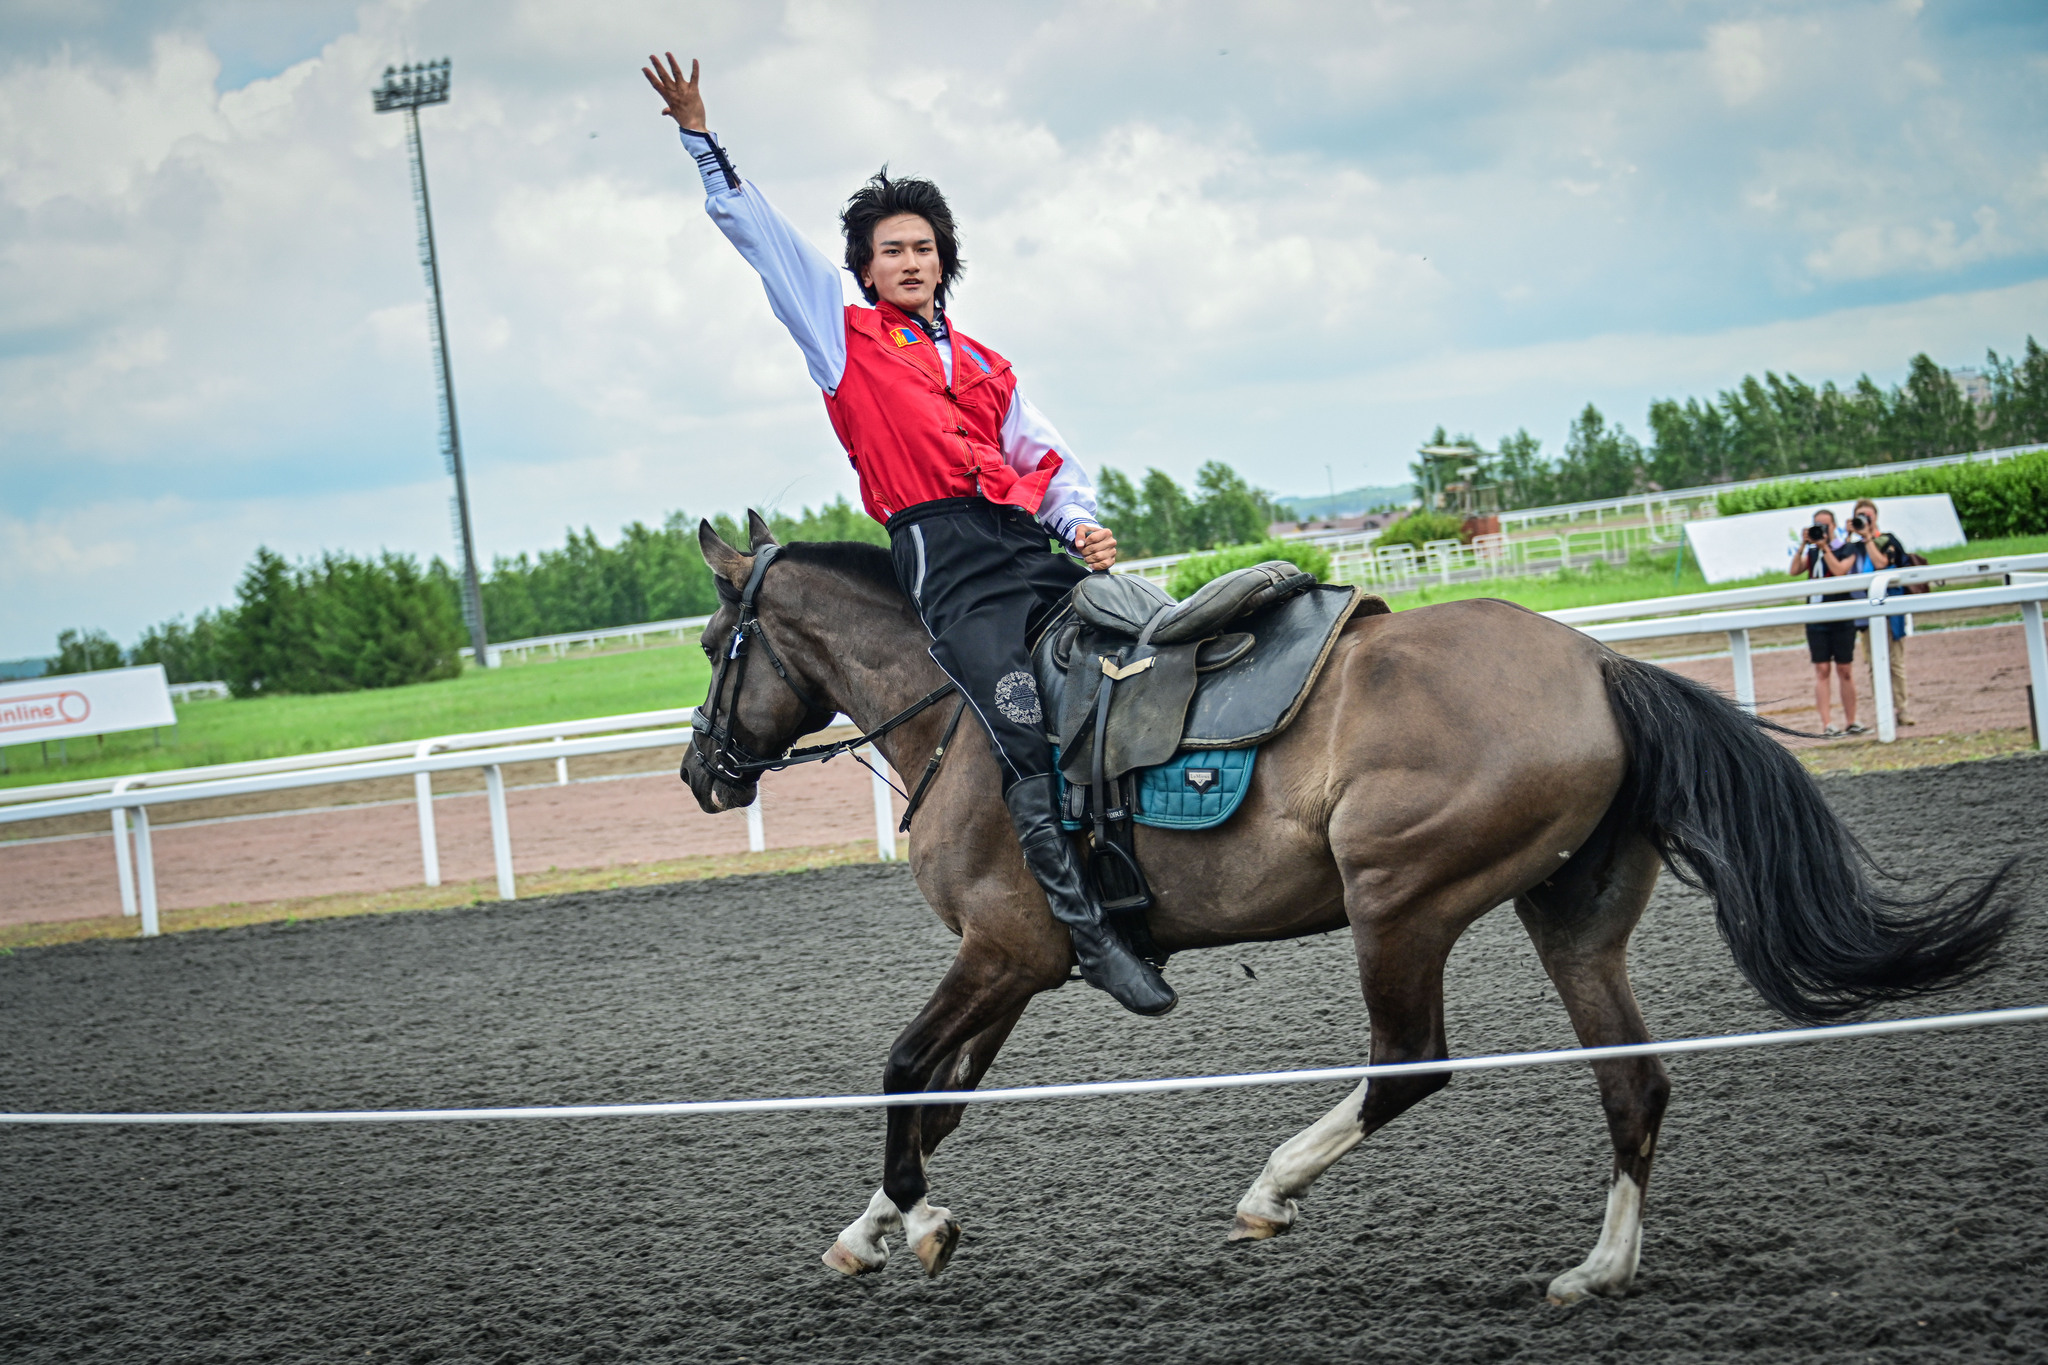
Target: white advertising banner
[1728,548]
[73,704]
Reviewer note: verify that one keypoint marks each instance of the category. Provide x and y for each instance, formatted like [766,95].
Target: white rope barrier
[1081,1090]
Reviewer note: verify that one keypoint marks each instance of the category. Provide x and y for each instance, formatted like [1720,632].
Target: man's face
[1826,519]
[905,271]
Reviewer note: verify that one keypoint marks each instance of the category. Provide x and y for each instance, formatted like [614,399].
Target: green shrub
[1418,528]
[2005,499]
[1190,574]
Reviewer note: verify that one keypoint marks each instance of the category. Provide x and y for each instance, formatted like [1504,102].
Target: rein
[732,761]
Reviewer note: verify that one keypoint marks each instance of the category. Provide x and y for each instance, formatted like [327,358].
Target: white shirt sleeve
[802,285]
[1070,497]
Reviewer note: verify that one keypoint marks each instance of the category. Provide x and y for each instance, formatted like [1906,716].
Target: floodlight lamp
[412,86]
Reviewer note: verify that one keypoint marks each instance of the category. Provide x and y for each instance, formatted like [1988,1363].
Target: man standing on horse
[971,481]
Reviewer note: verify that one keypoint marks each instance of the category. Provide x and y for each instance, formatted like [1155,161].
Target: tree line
[1772,427]
[339,623]
[334,623]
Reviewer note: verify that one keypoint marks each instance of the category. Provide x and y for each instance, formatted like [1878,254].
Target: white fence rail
[1731,614]
[331,758]
[1792,588]
[130,799]
[559,645]
[1882,601]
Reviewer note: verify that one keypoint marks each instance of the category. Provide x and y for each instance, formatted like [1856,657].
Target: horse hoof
[1249,1227]
[935,1248]
[843,1259]
[1576,1286]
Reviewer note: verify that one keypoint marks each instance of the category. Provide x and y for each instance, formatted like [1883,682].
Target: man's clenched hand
[685,105]
[1097,546]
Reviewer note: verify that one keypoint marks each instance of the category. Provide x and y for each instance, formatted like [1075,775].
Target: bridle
[727,758]
[722,752]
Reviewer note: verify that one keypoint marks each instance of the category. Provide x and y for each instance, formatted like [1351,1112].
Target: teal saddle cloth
[1195,789]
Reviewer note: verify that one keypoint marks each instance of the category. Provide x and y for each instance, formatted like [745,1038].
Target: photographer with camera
[1823,552]
[1883,550]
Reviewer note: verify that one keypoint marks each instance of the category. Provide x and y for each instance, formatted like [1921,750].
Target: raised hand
[685,105]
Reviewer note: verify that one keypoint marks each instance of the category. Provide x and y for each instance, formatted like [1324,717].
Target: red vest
[914,438]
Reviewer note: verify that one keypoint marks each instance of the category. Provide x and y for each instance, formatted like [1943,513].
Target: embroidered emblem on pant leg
[1017,698]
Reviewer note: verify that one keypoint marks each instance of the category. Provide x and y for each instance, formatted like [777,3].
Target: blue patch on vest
[1196,789]
[975,356]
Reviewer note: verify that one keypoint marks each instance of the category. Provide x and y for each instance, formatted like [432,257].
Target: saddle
[1130,678]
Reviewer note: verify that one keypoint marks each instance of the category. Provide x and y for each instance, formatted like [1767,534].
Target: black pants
[982,577]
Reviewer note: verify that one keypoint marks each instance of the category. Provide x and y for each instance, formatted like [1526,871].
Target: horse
[1449,759]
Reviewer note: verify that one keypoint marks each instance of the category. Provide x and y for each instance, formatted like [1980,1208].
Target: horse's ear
[757,531]
[725,561]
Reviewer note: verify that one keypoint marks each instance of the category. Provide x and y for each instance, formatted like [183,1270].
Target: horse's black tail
[1733,812]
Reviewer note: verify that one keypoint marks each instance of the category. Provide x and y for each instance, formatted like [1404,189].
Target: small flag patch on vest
[1201,779]
[904,336]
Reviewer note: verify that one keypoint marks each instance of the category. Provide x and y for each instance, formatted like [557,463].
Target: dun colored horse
[1450,758]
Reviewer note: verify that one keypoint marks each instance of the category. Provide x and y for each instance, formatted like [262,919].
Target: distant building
[1974,385]
[1334,526]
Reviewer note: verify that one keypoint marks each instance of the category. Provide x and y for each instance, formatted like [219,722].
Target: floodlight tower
[408,88]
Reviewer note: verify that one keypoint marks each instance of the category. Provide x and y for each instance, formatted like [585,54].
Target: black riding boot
[1107,962]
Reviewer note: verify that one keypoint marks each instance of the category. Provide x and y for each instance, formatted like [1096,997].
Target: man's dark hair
[883,198]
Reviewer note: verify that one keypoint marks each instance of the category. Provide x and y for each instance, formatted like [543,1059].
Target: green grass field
[216,731]
[648,679]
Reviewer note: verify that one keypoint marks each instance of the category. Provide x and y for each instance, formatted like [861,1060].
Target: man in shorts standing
[1831,645]
[1883,550]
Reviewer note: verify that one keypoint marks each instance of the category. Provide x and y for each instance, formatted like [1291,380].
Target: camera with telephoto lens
[1817,533]
[1859,522]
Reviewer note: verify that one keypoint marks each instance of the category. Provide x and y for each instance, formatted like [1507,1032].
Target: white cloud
[1278,236]
[1736,55]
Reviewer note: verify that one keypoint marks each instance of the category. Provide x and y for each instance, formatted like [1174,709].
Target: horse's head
[760,700]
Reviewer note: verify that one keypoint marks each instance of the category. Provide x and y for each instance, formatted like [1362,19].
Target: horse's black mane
[848,558]
[852,558]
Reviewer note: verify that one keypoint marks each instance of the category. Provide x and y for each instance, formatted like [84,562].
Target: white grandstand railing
[562,644]
[1355,559]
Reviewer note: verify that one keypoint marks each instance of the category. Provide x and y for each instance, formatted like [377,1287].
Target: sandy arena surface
[1957,681]
[1961,681]
[1880,1201]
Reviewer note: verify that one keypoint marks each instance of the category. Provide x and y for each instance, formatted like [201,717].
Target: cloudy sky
[1289,236]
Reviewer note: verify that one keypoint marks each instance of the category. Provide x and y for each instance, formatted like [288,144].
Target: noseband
[724,756]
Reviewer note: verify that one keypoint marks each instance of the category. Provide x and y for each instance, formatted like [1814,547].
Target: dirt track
[1879,1201]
